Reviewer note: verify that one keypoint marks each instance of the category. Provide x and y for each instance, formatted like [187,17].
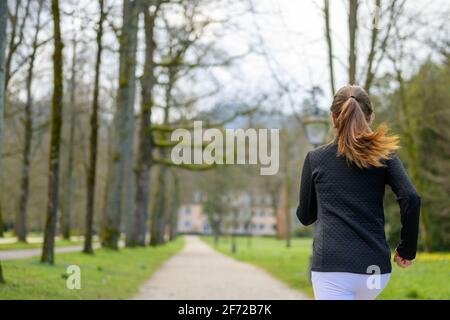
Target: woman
[342,190]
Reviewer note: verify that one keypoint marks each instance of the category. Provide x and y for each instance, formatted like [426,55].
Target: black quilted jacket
[346,204]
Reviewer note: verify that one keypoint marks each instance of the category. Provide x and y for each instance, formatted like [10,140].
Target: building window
[187,210]
[261,226]
[187,224]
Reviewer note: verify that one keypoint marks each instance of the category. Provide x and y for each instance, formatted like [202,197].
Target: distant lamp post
[235,212]
[216,227]
[316,130]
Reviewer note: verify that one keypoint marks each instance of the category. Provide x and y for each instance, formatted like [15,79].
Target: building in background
[255,217]
[191,220]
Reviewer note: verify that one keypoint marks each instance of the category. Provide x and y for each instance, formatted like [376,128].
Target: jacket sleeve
[307,209]
[409,202]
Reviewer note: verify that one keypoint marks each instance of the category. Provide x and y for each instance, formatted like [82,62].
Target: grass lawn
[105,275]
[427,278]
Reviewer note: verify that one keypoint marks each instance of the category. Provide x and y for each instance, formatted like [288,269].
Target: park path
[35,239]
[27,253]
[199,272]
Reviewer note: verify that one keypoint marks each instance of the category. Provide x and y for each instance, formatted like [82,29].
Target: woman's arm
[307,210]
[409,202]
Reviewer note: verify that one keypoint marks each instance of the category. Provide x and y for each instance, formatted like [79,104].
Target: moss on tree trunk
[55,139]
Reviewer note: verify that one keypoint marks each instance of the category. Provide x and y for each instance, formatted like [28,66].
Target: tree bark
[353,27]
[120,192]
[370,59]
[56,125]
[66,216]
[1,223]
[173,220]
[21,218]
[3,26]
[160,216]
[2,278]
[94,139]
[326,11]
[143,164]
[286,186]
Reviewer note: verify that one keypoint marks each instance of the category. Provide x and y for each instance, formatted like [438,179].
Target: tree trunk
[1,223]
[143,164]
[2,279]
[120,191]
[21,218]
[173,220]
[159,217]
[353,27]
[216,232]
[66,208]
[287,211]
[370,59]
[282,232]
[3,25]
[287,187]
[94,139]
[109,155]
[326,11]
[56,125]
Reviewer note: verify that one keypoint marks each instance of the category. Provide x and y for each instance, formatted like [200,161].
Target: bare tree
[119,195]
[159,216]
[353,27]
[3,26]
[379,40]
[373,43]
[56,125]
[21,219]
[94,137]
[143,163]
[16,39]
[326,13]
[66,216]
[175,204]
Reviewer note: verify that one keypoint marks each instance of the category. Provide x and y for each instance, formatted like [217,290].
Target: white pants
[347,286]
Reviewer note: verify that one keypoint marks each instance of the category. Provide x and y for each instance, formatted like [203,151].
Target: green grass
[427,278]
[33,245]
[105,275]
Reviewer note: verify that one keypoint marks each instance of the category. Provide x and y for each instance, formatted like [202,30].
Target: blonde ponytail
[357,142]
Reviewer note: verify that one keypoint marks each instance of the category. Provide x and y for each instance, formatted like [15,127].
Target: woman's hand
[401,262]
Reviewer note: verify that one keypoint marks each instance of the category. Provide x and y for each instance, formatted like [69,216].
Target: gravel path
[27,253]
[199,272]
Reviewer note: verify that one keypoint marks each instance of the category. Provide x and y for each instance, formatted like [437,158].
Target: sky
[286,38]
[294,47]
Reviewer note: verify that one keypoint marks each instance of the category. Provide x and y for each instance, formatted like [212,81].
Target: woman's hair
[352,113]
